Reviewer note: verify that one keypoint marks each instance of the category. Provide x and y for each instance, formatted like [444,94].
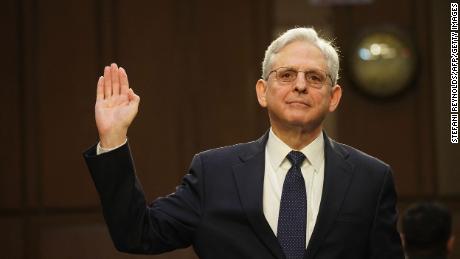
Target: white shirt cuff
[101,150]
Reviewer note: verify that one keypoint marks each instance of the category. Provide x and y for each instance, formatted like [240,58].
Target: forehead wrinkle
[310,57]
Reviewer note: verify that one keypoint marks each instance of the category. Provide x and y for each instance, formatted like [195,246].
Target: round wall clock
[382,63]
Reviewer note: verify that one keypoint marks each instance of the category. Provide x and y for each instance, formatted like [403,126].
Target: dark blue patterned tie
[293,210]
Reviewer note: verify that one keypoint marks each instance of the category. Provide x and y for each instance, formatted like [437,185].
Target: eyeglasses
[314,78]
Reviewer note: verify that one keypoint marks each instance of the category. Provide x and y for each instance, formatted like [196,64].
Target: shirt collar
[278,150]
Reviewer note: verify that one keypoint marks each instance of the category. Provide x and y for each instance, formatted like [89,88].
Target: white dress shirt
[276,168]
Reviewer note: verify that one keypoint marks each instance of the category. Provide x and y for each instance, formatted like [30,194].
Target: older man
[293,193]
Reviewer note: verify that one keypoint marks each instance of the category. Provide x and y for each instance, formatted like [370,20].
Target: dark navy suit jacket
[218,206]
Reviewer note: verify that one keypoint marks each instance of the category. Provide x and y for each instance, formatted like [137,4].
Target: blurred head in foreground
[427,231]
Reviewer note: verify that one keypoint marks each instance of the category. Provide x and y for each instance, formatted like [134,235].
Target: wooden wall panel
[447,154]
[66,76]
[399,130]
[32,158]
[196,78]
[150,54]
[12,238]
[11,170]
[227,95]
[174,52]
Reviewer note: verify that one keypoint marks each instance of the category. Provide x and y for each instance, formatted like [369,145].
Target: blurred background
[195,64]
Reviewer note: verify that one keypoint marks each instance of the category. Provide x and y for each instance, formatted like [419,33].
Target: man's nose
[300,83]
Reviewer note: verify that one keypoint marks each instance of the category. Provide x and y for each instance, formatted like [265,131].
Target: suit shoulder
[230,152]
[359,157]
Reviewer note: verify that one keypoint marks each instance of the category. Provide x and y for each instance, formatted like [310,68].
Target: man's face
[297,104]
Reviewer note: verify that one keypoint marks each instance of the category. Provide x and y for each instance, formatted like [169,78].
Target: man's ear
[450,244]
[336,95]
[403,242]
[261,90]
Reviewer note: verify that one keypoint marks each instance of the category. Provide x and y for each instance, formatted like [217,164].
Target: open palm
[116,106]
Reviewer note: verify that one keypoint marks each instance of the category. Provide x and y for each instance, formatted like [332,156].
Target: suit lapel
[249,177]
[337,177]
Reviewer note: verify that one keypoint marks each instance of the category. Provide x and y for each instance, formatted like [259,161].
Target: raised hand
[116,106]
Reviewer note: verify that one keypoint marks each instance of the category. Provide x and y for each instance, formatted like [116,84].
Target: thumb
[133,98]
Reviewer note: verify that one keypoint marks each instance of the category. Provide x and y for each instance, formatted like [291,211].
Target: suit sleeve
[166,224]
[385,241]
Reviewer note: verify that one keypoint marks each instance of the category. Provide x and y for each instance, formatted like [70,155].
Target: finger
[107,83]
[115,79]
[124,85]
[133,98]
[100,89]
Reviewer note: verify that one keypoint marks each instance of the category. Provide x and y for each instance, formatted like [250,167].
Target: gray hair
[309,35]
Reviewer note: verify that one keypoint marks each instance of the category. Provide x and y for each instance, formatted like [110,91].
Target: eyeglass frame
[297,73]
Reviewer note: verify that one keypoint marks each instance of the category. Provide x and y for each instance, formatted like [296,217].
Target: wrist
[108,141]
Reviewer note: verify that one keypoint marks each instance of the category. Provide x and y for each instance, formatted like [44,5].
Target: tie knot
[296,158]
